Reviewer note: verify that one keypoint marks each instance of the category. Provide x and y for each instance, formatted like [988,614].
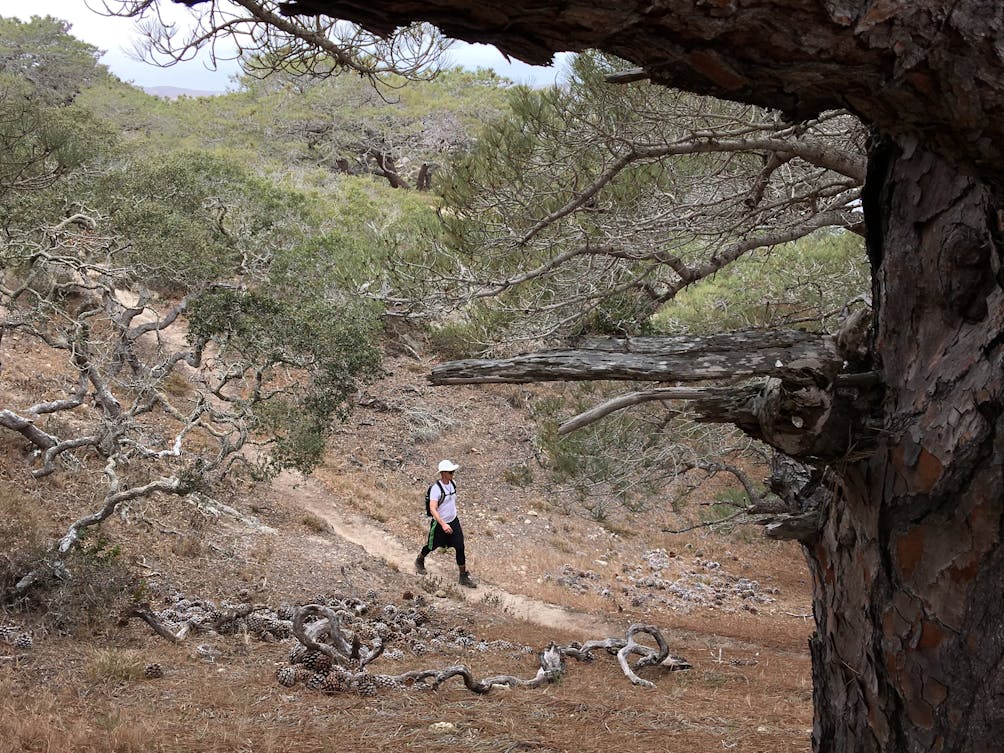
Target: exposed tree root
[347,660]
[339,638]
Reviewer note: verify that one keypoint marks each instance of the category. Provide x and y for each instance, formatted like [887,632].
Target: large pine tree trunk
[909,650]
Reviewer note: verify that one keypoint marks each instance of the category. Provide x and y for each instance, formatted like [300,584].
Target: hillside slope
[733,605]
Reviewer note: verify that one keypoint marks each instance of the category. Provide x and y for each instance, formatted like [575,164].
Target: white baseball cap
[446,465]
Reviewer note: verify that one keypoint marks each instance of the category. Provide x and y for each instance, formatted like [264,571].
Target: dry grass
[235,705]
[113,665]
[314,523]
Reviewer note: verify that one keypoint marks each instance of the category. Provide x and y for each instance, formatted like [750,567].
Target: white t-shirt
[447,505]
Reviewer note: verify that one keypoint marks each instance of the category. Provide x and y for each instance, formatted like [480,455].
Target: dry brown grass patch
[113,665]
[314,523]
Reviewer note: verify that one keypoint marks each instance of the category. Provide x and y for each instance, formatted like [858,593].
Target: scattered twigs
[332,656]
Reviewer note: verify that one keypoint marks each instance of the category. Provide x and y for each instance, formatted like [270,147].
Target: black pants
[439,539]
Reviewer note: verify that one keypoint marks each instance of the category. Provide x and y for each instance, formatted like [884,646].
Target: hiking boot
[420,565]
[467,581]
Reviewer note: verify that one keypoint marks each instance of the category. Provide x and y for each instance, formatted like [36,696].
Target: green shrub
[95,588]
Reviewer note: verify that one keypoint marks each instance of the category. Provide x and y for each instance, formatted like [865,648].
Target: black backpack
[442,494]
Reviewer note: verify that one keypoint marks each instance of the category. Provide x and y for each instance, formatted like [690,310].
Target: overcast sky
[115,37]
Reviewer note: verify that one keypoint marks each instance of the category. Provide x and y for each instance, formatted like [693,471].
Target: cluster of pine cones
[16,637]
[317,671]
[226,618]
[408,626]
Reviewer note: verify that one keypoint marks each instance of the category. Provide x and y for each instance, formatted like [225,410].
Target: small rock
[442,727]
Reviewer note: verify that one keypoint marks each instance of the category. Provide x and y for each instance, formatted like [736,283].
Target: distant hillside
[173,92]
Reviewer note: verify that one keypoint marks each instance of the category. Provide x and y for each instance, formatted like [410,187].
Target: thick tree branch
[630,399]
[50,455]
[26,428]
[793,355]
[804,407]
[113,499]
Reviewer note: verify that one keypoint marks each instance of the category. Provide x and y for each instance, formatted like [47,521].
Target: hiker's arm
[434,509]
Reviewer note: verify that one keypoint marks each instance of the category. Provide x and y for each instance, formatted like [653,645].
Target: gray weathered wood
[793,356]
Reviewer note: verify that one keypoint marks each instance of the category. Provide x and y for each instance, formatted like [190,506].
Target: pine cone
[153,671]
[317,661]
[365,685]
[385,682]
[286,676]
[334,683]
[23,640]
[317,681]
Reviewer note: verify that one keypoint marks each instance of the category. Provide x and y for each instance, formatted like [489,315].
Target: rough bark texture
[910,641]
[791,355]
[909,649]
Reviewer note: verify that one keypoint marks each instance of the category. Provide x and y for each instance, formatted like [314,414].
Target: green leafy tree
[159,287]
[44,136]
[401,133]
[811,283]
[54,66]
[590,207]
[168,391]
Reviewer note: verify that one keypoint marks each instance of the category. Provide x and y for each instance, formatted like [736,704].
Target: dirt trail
[312,496]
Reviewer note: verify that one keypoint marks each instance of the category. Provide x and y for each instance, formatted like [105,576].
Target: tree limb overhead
[804,407]
[789,355]
[894,64]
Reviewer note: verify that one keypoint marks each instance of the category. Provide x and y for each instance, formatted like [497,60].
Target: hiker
[445,530]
